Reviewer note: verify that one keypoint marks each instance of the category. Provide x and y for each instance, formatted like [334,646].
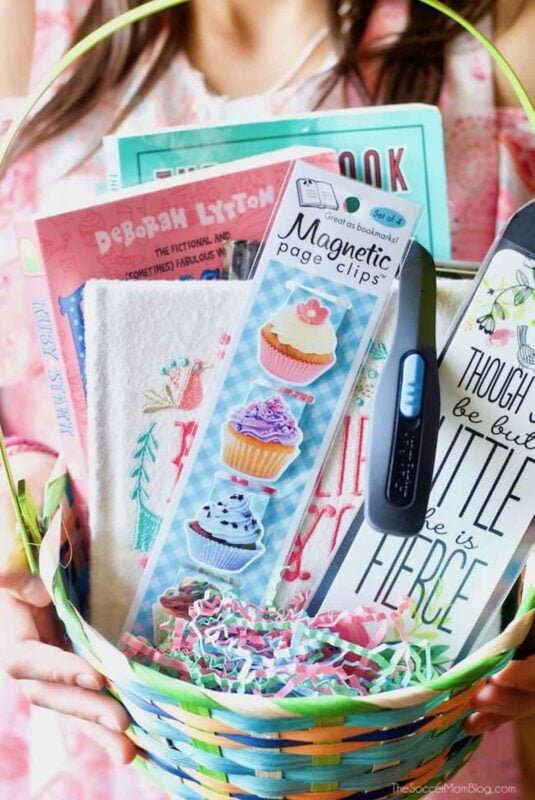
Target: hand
[33,648]
[507,696]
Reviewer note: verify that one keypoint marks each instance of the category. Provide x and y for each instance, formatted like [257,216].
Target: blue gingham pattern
[329,399]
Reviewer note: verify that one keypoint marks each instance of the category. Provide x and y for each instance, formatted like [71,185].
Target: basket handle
[155,6]
[499,59]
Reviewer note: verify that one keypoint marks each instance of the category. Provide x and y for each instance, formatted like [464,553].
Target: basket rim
[112,662]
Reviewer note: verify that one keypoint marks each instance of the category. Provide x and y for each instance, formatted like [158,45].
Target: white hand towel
[141,423]
[153,349]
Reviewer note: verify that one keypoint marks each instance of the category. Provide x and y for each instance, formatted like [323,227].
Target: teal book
[395,148]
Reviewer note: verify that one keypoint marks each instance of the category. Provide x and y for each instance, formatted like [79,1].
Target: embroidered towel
[153,349]
[152,352]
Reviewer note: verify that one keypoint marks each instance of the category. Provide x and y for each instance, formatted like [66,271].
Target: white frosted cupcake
[226,535]
[299,343]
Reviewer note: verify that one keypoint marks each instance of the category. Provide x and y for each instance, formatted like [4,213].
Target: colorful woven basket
[197,743]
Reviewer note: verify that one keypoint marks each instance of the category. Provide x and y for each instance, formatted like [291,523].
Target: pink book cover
[173,229]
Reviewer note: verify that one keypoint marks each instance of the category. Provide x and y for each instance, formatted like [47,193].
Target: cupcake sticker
[225,534]
[261,439]
[177,603]
[299,343]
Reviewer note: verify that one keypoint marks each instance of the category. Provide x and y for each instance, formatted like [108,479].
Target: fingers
[88,705]
[64,682]
[120,749]
[26,622]
[498,700]
[17,622]
[30,589]
[517,675]
[480,722]
[25,658]
[35,661]
[50,628]
[508,695]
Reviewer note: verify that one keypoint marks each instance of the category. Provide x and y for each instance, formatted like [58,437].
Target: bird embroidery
[184,391]
[526,353]
[192,392]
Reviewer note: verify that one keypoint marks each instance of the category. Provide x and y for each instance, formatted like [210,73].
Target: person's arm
[17,30]
[32,644]
[514,33]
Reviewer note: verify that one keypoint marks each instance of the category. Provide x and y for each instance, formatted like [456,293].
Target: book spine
[112,162]
[53,359]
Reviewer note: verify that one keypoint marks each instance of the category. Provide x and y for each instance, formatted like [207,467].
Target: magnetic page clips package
[321,284]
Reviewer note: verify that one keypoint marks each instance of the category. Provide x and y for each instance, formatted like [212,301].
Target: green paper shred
[54,493]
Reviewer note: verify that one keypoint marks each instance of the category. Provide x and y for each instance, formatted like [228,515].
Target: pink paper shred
[230,646]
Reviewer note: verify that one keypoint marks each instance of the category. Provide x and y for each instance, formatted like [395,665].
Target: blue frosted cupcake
[226,535]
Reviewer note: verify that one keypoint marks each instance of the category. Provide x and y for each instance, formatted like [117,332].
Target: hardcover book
[172,230]
[396,148]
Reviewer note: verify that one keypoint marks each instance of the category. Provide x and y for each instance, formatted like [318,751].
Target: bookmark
[321,282]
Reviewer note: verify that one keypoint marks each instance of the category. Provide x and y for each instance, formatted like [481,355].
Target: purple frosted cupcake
[261,439]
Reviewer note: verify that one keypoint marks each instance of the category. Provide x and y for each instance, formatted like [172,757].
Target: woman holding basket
[208,61]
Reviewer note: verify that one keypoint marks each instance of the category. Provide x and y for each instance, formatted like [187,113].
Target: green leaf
[138,453]
[141,439]
[522,295]
[440,649]
[378,351]
[428,636]
[134,495]
[135,472]
[54,493]
[522,278]
[154,397]
[499,310]
[29,513]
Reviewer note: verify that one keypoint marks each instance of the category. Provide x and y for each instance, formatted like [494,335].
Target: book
[396,148]
[320,287]
[316,194]
[174,229]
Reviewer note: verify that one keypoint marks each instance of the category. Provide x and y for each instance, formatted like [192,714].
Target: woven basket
[196,743]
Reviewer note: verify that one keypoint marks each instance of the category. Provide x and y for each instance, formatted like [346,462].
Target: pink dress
[491,169]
